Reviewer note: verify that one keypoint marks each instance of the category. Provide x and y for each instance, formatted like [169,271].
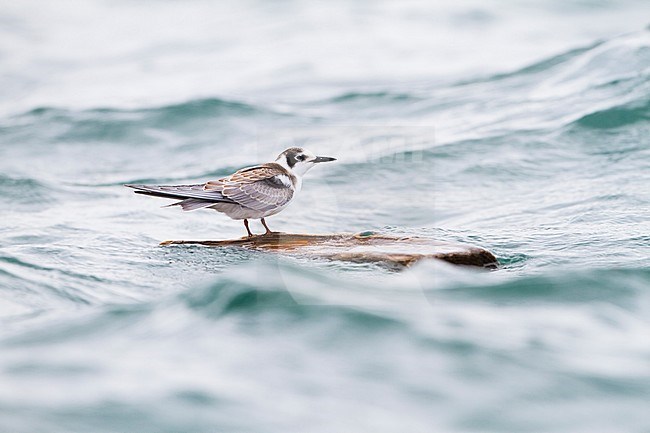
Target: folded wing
[263,188]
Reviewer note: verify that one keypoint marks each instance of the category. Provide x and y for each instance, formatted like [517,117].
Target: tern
[253,192]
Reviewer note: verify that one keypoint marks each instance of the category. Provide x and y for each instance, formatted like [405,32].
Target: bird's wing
[263,187]
[198,191]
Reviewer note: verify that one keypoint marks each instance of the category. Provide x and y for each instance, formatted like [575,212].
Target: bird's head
[299,160]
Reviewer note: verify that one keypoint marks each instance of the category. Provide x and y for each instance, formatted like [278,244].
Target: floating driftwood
[365,247]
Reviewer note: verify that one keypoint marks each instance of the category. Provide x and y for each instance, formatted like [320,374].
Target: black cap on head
[291,155]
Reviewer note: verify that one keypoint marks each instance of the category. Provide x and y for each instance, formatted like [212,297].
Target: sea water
[520,127]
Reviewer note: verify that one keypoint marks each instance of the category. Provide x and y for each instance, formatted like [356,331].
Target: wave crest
[615,117]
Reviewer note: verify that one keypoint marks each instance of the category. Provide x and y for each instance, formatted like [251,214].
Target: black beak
[324,159]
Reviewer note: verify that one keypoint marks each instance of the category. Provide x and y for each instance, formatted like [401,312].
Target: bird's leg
[268,230]
[250,234]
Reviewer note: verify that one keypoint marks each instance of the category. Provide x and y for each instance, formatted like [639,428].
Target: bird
[255,192]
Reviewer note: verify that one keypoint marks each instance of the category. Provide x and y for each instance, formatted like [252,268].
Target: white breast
[298,185]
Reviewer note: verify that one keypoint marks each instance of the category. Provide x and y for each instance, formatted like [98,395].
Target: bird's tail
[191,204]
[191,196]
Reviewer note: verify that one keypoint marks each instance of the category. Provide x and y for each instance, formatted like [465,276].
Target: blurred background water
[521,127]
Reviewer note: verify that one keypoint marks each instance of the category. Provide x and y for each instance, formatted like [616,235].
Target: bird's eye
[300,157]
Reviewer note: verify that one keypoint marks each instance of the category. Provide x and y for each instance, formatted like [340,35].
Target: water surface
[522,128]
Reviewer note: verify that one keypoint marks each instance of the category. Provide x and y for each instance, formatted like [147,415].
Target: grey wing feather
[182,192]
[262,195]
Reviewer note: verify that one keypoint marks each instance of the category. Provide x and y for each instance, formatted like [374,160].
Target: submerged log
[365,247]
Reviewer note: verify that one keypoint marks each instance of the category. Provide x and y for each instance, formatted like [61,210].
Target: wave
[276,293]
[599,86]
[132,125]
[282,303]
[25,191]
[281,293]
[271,328]
[554,92]
[621,287]
[540,66]
[615,117]
[599,63]
[373,97]
[188,109]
